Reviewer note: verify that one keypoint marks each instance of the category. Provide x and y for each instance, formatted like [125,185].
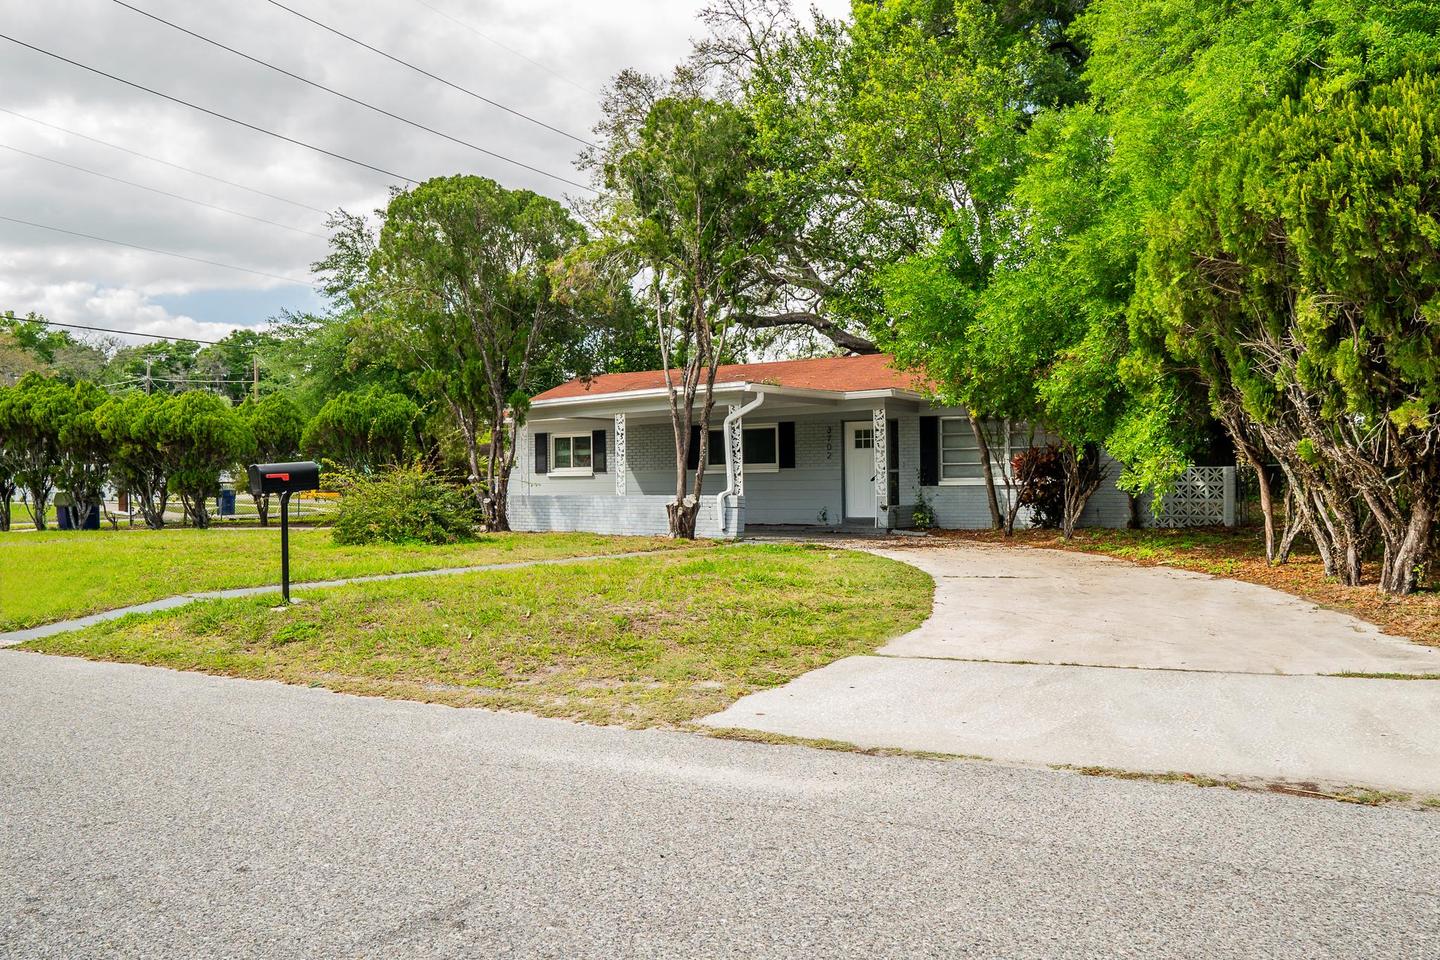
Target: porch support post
[882,468]
[735,454]
[620,465]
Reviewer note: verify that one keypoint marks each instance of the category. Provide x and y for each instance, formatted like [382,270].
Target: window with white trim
[960,453]
[571,455]
[759,447]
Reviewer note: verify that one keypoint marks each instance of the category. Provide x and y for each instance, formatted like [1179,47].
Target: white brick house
[834,442]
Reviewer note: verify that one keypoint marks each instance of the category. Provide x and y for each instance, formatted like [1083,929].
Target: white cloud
[116,308]
[78,280]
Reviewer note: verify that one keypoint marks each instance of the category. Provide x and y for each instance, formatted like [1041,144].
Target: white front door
[860,470]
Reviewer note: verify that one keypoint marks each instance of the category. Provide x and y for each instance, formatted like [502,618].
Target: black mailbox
[284,477]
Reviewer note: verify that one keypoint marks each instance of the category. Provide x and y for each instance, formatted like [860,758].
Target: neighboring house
[834,442]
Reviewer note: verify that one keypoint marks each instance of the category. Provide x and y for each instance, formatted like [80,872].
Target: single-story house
[842,442]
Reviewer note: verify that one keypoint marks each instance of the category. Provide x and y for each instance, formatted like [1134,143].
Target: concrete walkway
[1121,666]
[13,637]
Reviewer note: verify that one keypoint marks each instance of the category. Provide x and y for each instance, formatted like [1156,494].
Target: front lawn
[639,641]
[55,575]
[1240,555]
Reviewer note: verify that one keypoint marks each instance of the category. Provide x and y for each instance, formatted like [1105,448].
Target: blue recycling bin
[67,518]
[227,503]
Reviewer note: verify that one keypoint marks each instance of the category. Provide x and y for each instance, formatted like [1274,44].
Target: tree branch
[837,334]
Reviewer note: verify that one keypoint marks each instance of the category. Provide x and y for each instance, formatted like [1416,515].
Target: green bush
[402,505]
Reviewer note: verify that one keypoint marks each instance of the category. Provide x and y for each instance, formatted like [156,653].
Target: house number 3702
[829,442]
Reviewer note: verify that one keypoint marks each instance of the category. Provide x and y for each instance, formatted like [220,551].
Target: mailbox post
[284,479]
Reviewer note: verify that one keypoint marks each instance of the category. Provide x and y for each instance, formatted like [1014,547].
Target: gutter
[734,386]
[730,460]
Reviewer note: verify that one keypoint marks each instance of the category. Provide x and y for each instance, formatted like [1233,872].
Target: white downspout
[730,460]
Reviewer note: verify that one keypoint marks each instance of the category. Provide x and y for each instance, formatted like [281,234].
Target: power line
[489,39]
[176,166]
[213,113]
[128,333]
[163,253]
[163,193]
[245,381]
[421,70]
[355,100]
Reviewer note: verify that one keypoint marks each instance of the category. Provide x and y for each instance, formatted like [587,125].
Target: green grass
[20,518]
[641,641]
[56,575]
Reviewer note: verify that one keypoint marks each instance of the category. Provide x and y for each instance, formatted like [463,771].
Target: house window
[865,439]
[759,447]
[571,455]
[960,454]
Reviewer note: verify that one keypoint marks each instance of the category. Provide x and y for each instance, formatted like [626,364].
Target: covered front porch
[778,457]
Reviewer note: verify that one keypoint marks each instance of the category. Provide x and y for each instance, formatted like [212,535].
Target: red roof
[870,372]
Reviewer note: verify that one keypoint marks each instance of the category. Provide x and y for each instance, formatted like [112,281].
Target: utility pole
[255,379]
[147,374]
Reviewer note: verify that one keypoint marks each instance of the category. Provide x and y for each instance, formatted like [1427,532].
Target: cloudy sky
[544,58]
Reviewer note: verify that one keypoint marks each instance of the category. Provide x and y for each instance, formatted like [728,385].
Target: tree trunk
[1337,522]
[196,510]
[1267,510]
[262,509]
[497,514]
[1351,573]
[1404,560]
[80,514]
[1132,507]
[153,501]
[153,512]
[1320,532]
[1296,519]
[39,499]
[1083,475]
[1235,426]
[7,496]
[996,521]
[682,516]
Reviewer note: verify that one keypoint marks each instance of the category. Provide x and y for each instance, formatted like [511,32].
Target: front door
[860,470]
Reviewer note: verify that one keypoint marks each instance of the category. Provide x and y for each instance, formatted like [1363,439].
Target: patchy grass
[1363,796]
[1194,779]
[1240,555]
[822,743]
[56,575]
[640,641]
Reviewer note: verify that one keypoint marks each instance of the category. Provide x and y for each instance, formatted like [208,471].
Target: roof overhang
[659,397]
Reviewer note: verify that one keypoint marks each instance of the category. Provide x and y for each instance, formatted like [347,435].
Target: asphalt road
[147,813]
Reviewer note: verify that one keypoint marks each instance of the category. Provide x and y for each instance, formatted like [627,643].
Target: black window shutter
[929,451]
[692,459]
[787,444]
[597,451]
[542,453]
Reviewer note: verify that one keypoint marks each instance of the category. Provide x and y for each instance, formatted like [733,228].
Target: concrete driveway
[1043,656]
